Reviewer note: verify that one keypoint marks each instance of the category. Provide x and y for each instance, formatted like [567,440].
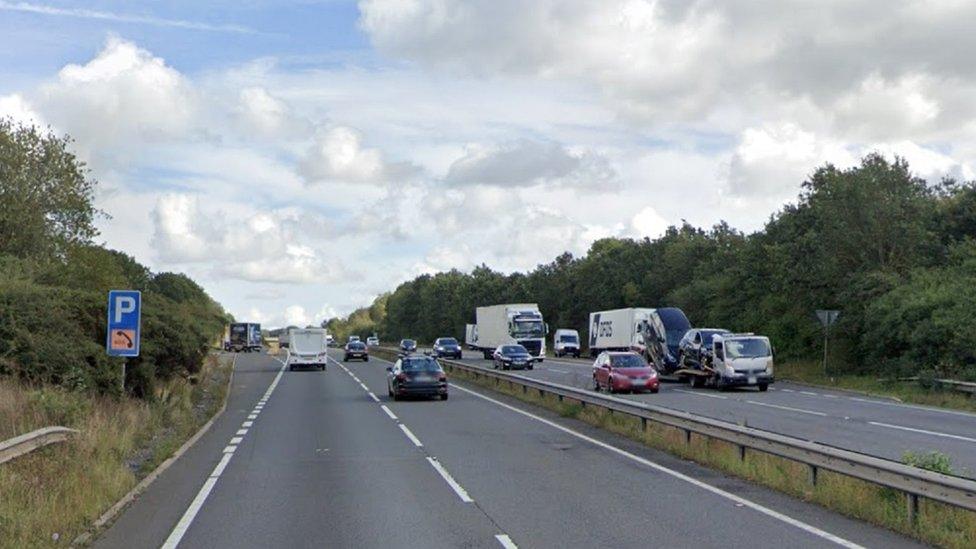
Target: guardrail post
[643,424]
[912,501]
[542,394]
[687,437]
[560,397]
[742,453]
[813,474]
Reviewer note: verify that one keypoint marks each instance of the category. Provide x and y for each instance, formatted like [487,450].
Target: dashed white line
[416,441]
[506,541]
[681,476]
[698,393]
[229,449]
[788,408]
[810,393]
[373,396]
[389,412]
[788,390]
[247,424]
[922,431]
[458,489]
[252,416]
[241,432]
[557,370]
[236,440]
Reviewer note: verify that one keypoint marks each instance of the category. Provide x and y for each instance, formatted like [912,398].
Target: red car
[620,372]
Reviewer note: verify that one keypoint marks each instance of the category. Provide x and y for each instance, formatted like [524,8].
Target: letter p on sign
[124,322]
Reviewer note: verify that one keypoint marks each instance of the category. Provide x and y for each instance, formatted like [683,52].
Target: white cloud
[529,162]
[338,154]
[648,223]
[18,109]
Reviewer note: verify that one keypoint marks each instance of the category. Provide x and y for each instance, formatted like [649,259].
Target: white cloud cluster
[526,162]
[338,154]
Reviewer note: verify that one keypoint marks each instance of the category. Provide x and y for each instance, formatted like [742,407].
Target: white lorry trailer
[307,349]
[510,324]
[618,330]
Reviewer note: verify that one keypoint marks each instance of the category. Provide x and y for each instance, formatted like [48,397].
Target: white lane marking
[219,469]
[241,432]
[788,408]
[922,431]
[176,535]
[557,370]
[829,396]
[681,476]
[247,424]
[506,541]
[416,441]
[236,440]
[374,397]
[788,390]
[252,416]
[699,393]
[808,393]
[458,489]
[389,412]
[916,407]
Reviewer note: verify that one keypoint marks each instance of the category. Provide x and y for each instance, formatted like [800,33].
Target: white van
[566,342]
[307,349]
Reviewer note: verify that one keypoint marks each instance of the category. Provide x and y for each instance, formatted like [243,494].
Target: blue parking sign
[124,321]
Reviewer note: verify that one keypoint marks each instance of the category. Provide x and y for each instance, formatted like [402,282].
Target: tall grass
[50,496]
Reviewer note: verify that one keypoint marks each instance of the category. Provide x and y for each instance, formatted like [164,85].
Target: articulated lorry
[245,337]
[518,323]
[654,333]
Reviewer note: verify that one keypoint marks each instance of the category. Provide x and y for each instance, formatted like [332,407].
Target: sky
[299,157]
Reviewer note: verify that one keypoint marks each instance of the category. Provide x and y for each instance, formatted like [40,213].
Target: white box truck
[618,330]
[517,323]
[308,348]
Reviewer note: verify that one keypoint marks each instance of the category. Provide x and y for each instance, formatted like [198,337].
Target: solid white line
[922,431]
[374,397]
[458,489]
[681,476]
[416,441]
[699,393]
[236,440]
[788,408]
[241,432]
[388,412]
[176,535]
[506,541]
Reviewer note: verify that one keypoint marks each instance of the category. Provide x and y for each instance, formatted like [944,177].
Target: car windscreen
[356,346]
[420,365]
[568,339]
[707,335]
[448,341]
[752,347]
[408,342]
[627,361]
[514,350]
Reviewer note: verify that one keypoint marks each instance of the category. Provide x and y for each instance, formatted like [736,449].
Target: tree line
[895,254]
[54,280]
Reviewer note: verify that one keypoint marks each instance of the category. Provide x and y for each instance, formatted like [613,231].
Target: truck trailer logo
[594,329]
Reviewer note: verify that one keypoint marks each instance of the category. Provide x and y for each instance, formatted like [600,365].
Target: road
[875,426]
[325,459]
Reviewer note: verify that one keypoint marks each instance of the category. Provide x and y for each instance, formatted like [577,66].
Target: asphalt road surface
[326,459]
[880,427]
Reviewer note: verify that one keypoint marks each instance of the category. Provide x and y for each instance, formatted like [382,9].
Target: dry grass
[811,373]
[54,494]
[938,524]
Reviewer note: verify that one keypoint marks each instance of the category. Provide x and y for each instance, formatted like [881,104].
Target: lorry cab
[566,342]
[741,360]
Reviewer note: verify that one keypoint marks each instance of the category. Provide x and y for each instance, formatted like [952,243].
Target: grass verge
[811,373]
[55,493]
[937,524]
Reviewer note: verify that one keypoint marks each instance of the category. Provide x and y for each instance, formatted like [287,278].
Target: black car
[695,345]
[356,349]
[407,346]
[512,357]
[447,347]
[416,375]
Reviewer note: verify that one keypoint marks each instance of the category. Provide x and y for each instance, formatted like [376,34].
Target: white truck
[516,323]
[735,360]
[307,349]
[566,342]
[618,330]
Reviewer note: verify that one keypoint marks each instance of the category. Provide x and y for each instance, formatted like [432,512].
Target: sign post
[124,325]
[827,317]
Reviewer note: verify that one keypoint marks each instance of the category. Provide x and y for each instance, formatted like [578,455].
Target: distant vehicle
[372,341]
[245,337]
[623,372]
[654,333]
[329,340]
[695,345]
[284,339]
[408,346]
[509,357]
[356,349]
[736,360]
[566,342]
[416,375]
[446,347]
[512,324]
[352,338]
[307,348]
[227,346]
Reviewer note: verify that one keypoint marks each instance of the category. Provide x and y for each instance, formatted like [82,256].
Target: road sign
[124,321]
[827,316]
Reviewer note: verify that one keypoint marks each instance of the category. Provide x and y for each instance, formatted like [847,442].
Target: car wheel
[529,367]
[444,396]
[345,358]
[596,384]
[763,387]
[366,359]
[697,382]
